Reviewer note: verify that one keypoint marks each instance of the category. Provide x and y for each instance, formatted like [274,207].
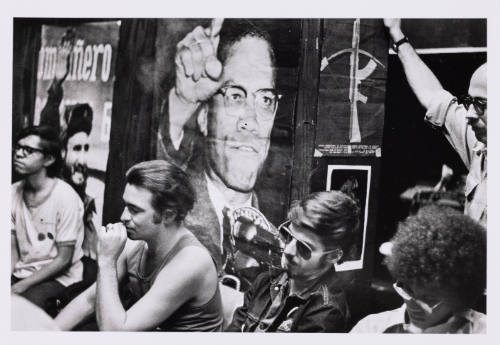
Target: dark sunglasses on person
[26,150]
[303,249]
[401,289]
[478,103]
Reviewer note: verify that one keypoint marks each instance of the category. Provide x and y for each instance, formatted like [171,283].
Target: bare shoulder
[194,259]
[192,265]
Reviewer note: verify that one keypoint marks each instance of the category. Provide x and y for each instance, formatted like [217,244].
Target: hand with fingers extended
[63,60]
[197,68]
[110,242]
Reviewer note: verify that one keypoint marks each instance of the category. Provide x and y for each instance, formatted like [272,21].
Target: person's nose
[81,157]
[471,114]
[248,120]
[125,217]
[18,153]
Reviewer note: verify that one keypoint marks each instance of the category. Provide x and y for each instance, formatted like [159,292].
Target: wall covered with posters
[325,131]
[348,122]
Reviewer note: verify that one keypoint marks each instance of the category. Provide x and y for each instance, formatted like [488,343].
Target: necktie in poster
[76,73]
[351,88]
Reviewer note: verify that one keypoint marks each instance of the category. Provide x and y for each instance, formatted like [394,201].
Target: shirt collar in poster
[219,202]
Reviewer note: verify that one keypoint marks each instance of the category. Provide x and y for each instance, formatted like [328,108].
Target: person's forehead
[249,63]
[306,235]
[32,141]
[478,83]
[137,196]
[78,138]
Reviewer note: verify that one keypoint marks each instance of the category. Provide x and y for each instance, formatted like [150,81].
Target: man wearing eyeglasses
[307,296]
[225,80]
[438,259]
[47,226]
[463,119]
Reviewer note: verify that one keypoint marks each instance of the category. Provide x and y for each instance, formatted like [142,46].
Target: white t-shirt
[469,321]
[56,220]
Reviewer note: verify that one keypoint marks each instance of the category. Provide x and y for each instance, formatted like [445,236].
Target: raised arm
[422,80]
[50,112]
[197,75]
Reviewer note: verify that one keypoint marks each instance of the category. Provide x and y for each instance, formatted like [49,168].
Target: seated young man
[438,259]
[47,226]
[307,296]
[171,277]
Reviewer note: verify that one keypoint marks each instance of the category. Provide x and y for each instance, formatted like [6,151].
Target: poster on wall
[351,100]
[75,77]
[354,180]
[236,141]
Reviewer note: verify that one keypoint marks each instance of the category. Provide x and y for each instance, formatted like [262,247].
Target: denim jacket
[323,308]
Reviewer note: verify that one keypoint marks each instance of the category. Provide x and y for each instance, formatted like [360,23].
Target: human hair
[78,118]
[234,30]
[169,185]
[440,248]
[332,215]
[49,143]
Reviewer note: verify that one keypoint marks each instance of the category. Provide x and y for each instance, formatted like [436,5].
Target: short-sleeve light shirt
[467,322]
[39,229]
[444,112]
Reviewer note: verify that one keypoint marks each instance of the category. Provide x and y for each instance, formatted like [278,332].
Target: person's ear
[49,160]
[202,119]
[168,216]
[335,255]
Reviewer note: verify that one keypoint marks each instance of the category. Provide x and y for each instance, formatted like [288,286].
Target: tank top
[188,317]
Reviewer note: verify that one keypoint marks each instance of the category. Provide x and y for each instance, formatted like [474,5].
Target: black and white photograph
[249,173]
[354,180]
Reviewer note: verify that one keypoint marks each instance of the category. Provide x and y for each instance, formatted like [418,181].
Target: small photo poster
[354,180]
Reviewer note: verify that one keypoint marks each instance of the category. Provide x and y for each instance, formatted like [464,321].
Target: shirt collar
[219,201]
[467,314]
[326,284]
[479,148]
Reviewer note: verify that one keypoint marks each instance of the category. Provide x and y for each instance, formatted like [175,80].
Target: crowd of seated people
[153,274]
[159,268]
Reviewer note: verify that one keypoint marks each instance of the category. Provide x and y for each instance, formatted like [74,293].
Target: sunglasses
[303,249]
[478,103]
[429,309]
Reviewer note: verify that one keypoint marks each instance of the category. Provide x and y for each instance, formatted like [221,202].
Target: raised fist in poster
[197,67]
[63,55]
[197,76]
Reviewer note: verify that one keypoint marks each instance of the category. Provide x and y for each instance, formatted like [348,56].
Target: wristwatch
[395,45]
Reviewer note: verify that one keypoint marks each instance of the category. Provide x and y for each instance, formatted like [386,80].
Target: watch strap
[395,45]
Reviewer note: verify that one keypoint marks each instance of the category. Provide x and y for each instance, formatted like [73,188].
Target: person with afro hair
[438,259]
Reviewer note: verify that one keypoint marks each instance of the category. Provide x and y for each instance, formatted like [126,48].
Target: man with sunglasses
[225,87]
[463,119]
[438,259]
[307,296]
[47,226]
